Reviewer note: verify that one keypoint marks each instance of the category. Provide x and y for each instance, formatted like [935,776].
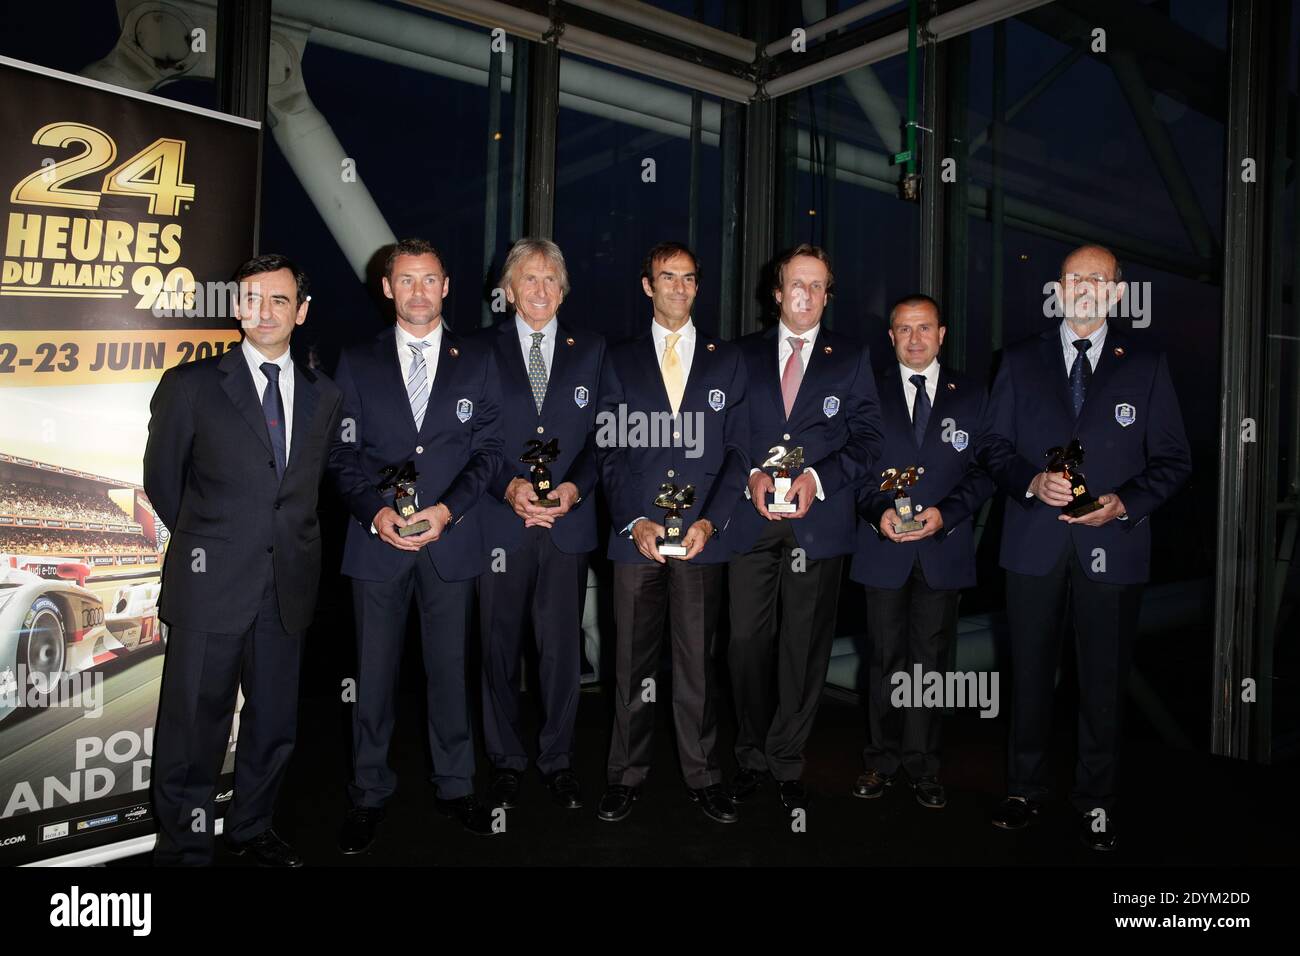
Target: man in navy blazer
[809,389]
[933,418]
[421,395]
[674,414]
[1085,380]
[550,383]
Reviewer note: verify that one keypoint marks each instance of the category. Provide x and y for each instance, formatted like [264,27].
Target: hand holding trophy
[1066,461]
[782,462]
[899,481]
[401,482]
[674,501]
[539,454]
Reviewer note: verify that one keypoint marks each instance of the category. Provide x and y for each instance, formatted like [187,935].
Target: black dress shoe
[872,784]
[746,783]
[793,795]
[565,790]
[617,802]
[504,788]
[473,815]
[715,803]
[1015,813]
[1097,832]
[359,828]
[267,849]
[930,793]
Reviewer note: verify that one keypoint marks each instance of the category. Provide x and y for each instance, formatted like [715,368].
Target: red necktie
[793,373]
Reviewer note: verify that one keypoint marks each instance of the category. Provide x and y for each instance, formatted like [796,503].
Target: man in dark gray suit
[237,447]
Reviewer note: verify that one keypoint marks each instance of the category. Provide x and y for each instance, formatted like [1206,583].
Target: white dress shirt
[254,358]
[685,352]
[685,345]
[406,357]
[931,373]
[1068,351]
[783,349]
[783,352]
[549,331]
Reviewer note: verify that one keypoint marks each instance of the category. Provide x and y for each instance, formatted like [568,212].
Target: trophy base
[782,508]
[907,527]
[406,531]
[547,502]
[673,550]
[1082,507]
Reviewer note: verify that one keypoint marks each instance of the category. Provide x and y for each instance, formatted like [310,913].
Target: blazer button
[271,463]
[540,429]
[270,549]
[671,473]
[277,506]
[785,437]
[419,449]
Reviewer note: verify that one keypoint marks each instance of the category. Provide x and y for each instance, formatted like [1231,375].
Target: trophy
[401,482]
[900,481]
[674,501]
[538,453]
[781,461]
[1066,461]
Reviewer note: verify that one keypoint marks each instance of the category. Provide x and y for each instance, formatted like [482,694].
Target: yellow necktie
[674,382]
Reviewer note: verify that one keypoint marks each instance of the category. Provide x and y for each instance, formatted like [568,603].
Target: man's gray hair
[526,249]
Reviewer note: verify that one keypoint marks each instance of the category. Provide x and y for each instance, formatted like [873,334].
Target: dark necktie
[1080,375]
[920,409]
[273,409]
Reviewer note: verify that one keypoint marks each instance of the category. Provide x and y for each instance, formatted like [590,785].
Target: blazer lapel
[937,407]
[560,358]
[1106,365]
[771,368]
[1058,376]
[305,400]
[238,385]
[654,374]
[448,357]
[392,380]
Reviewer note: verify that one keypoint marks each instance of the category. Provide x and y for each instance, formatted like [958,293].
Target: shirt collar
[687,333]
[783,332]
[256,358]
[1096,340]
[931,373]
[549,330]
[405,338]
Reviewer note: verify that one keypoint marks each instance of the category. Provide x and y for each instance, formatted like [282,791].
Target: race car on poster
[52,625]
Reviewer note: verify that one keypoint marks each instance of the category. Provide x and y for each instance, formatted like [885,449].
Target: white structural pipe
[670,24]
[945,26]
[821,25]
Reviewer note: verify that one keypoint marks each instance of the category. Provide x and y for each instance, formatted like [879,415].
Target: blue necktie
[1080,375]
[273,409]
[920,409]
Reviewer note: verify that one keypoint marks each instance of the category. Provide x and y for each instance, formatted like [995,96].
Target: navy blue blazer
[715,462]
[568,414]
[835,419]
[1133,441]
[953,482]
[456,452]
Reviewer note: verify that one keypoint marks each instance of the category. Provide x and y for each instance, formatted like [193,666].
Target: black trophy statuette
[899,481]
[674,501]
[401,482]
[538,454]
[782,462]
[1066,461]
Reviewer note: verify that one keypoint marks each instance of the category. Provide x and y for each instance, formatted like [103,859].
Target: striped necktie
[417,383]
